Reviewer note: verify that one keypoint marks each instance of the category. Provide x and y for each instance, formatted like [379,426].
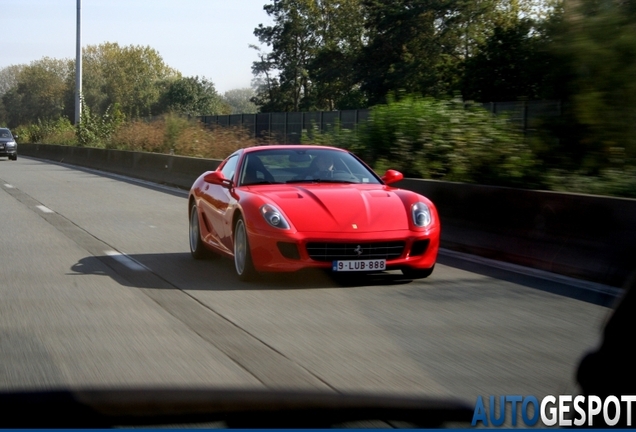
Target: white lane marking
[44,209]
[126,260]
[8,186]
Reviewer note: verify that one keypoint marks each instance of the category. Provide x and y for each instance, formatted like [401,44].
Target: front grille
[323,251]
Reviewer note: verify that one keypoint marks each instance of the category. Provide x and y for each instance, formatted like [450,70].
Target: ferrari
[285,208]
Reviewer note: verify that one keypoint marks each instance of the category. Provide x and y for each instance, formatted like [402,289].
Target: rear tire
[242,255]
[197,248]
[417,273]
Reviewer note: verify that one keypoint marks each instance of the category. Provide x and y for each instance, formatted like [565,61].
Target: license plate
[359,265]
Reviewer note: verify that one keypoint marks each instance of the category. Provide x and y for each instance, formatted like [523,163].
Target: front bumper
[283,252]
[8,151]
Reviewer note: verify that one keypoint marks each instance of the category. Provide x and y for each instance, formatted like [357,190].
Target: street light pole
[78,66]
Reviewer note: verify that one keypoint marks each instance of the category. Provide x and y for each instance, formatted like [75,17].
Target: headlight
[11,144]
[274,217]
[421,214]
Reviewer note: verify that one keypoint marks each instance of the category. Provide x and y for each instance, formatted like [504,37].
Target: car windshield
[5,133]
[304,166]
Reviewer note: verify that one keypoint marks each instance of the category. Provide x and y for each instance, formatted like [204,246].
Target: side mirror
[216,177]
[392,176]
[15,137]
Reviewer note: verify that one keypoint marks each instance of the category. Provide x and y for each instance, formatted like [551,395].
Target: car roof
[291,147]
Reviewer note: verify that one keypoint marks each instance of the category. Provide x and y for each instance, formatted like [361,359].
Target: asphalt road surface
[98,288]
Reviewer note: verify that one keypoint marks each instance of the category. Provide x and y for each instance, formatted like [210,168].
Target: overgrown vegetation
[443,140]
[59,131]
[174,134]
[168,134]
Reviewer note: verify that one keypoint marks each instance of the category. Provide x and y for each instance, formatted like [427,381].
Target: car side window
[229,168]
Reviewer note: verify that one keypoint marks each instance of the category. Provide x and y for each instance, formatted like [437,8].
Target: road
[98,288]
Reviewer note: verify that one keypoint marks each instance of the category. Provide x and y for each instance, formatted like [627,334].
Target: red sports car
[289,207]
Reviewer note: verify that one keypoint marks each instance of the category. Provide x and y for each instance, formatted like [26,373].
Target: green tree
[94,82]
[8,81]
[404,48]
[312,46]
[9,77]
[341,36]
[191,96]
[269,96]
[292,44]
[39,93]
[513,63]
[595,44]
[240,100]
[423,46]
[339,54]
[128,76]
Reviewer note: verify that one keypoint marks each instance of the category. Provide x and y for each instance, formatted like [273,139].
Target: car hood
[340,207]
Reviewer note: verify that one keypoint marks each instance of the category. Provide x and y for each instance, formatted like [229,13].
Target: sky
[205,38]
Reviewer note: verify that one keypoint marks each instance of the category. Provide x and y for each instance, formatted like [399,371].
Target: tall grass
[169,134]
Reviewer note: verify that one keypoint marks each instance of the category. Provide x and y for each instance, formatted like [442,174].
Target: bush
[95,130]
[173,134]
[619,182]
[59,131]
[169,134]
[444,140]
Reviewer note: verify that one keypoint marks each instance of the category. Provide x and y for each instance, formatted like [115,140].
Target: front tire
[197,248]
[417,273]
[242,256]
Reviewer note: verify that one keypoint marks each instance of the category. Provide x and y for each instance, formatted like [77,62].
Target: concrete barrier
[586,237]
[582,236]
[178,171]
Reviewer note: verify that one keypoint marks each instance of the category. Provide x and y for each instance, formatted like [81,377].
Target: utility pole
[78,66]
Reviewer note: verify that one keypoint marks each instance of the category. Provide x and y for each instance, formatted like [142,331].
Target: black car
[8,146]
